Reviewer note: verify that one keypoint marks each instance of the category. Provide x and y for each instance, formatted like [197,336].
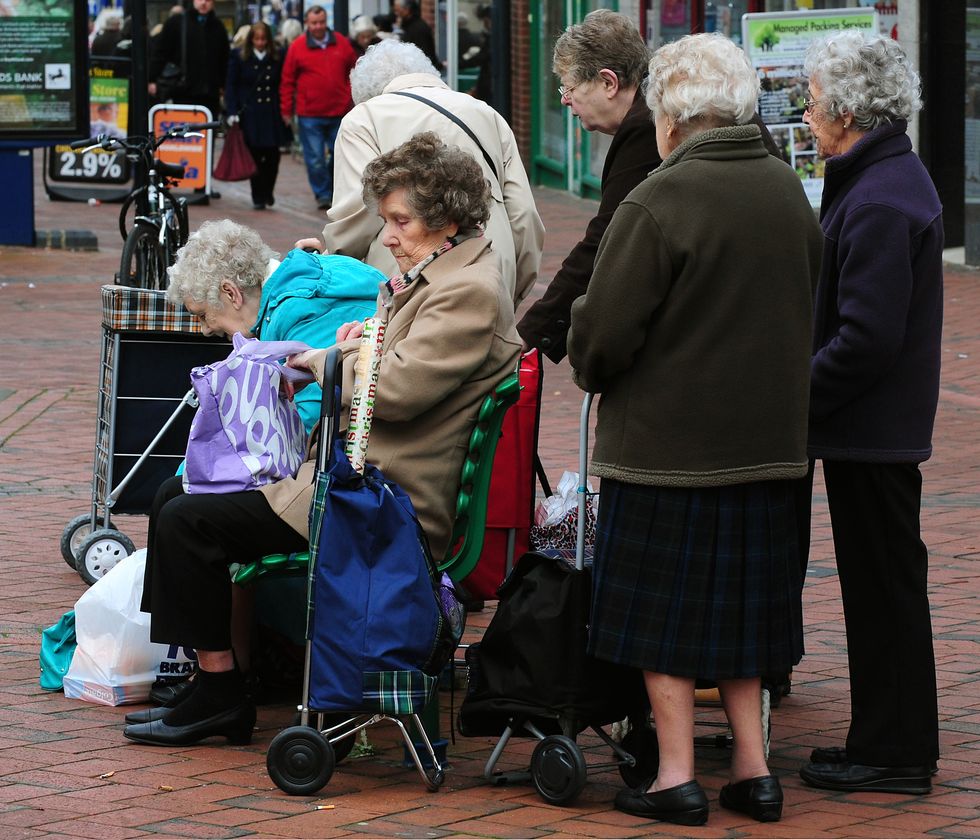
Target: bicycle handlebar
[134,143]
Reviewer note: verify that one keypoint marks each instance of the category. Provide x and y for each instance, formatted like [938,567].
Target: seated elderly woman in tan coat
[450,338]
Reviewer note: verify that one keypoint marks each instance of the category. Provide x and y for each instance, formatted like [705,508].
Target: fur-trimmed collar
[747,134]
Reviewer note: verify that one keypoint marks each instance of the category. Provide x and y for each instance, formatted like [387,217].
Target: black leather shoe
[857,777]
[170,693]
[761,798]
[838,755]
[146,715]
[684,804]
[234,724]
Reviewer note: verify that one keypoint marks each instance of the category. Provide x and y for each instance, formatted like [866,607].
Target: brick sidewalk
[66,770]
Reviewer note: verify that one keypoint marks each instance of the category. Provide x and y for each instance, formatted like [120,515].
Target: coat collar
[466,253]
[414,80]
[725,143]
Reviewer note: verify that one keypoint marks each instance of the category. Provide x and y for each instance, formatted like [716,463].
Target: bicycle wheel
[144,264]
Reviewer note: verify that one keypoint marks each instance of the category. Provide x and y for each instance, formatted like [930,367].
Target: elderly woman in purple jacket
[874,390]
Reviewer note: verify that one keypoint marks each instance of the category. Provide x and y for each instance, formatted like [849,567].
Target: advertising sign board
[776,43]
[194,153]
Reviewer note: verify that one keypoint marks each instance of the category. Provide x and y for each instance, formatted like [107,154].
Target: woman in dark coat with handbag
[252,97]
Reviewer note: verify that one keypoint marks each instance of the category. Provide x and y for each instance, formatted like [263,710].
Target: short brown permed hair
[443,184]
[604,40]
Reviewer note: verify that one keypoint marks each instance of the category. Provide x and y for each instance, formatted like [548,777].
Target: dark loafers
[176,693]
[234,724]
[761,798]
[838,755]
[685,804]
[857,777]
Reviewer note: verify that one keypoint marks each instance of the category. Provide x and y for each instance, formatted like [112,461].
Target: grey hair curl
[704,79]
[382,63]
[867,75]
[219,250]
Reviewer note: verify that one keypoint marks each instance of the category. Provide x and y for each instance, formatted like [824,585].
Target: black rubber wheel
[558,769]
[300,760]
[434,779]
[143,264]
[341,748]
[642,745]
[100,551]
[74,534]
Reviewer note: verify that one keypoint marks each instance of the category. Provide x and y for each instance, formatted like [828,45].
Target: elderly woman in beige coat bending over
[449,339]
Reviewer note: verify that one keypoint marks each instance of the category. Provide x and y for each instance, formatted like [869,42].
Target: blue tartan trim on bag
[320,488]
[398,692]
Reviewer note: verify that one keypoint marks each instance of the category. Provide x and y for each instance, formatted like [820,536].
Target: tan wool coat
[386,121]
[450,339]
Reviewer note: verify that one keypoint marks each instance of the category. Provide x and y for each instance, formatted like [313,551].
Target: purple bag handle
[272,351]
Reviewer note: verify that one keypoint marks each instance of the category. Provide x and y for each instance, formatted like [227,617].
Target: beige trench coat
[386,121]
[450,339]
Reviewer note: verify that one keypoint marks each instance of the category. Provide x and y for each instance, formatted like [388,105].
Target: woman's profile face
[828,132]
[404,234]
[260,38]
[234,314]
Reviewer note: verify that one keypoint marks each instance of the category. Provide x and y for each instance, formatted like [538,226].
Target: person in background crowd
[697,339]
[252,96]
[316,87]
[873,398]
[414,30]
[204,59]
[108,32]
[363,33]
[384,118]
[600,64]
[289,31]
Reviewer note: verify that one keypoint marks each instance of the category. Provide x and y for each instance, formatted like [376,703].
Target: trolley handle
[333,378]
[582,489]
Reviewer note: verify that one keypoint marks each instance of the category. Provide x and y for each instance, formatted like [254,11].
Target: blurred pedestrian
[874,391]
[316,87]
[363,33]
[413,29]
[252,97]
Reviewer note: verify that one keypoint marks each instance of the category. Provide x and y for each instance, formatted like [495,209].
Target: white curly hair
[704,79]
[384,62]
[867,75]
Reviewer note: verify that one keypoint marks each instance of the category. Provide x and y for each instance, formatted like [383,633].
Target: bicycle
[160,227]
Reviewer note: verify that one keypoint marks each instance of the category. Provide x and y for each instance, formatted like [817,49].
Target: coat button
[560,324]
[545,342]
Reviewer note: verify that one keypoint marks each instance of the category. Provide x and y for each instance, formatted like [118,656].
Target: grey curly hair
[219,250]
[384,62]
[867,75]
[604,40]
[443,184]
[703,79]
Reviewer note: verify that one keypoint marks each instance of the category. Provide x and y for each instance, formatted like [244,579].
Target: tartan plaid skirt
[698,582]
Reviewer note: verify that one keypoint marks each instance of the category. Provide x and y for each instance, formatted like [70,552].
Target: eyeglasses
[565,92]
[809,105]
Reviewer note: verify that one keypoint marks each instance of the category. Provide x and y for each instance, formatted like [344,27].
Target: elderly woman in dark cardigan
[698,341]
[875,387]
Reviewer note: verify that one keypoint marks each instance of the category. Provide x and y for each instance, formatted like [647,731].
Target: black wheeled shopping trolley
[148,349]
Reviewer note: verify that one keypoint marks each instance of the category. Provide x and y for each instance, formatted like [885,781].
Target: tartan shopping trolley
[149,346]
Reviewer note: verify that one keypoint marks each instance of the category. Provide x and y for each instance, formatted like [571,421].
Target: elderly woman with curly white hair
[874,391]
[698,341]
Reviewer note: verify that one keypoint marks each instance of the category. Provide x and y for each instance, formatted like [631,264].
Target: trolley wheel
[100,551]
[341,748]
[300,760]
[642,744]
[73,535]
[434,779]
[558,769]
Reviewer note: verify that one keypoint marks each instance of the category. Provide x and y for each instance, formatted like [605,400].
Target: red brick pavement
[56,755]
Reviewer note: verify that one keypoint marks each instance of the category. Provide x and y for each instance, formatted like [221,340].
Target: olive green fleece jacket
[696,328]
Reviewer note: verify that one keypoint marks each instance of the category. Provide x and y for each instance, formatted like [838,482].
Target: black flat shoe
[857,777]
[170,692]
[146,715]
[838,755]
[684,804]
[235,724]
[761,798]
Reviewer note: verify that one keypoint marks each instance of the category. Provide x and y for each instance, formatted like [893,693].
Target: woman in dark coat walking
[252,96]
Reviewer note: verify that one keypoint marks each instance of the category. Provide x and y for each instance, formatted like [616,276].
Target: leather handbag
[236,162]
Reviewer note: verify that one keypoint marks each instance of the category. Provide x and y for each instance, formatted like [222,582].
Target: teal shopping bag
[57,648]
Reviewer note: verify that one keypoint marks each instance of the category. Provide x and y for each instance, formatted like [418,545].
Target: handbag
[236,162]
[556,518]
[244,435]
[58,643]
[115,661]
[171,82]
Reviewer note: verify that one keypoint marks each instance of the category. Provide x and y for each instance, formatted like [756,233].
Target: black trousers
[191,542]
[883,566]
[263,182]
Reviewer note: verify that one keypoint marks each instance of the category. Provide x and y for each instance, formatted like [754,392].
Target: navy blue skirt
[698,582]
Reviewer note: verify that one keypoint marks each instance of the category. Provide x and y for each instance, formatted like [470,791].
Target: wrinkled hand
[311,242]
[286,388]
[301,361]
[350,330]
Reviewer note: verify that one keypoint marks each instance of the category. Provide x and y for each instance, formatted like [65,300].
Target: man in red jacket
[316,86]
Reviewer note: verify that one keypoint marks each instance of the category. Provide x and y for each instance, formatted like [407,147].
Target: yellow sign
[193,153]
